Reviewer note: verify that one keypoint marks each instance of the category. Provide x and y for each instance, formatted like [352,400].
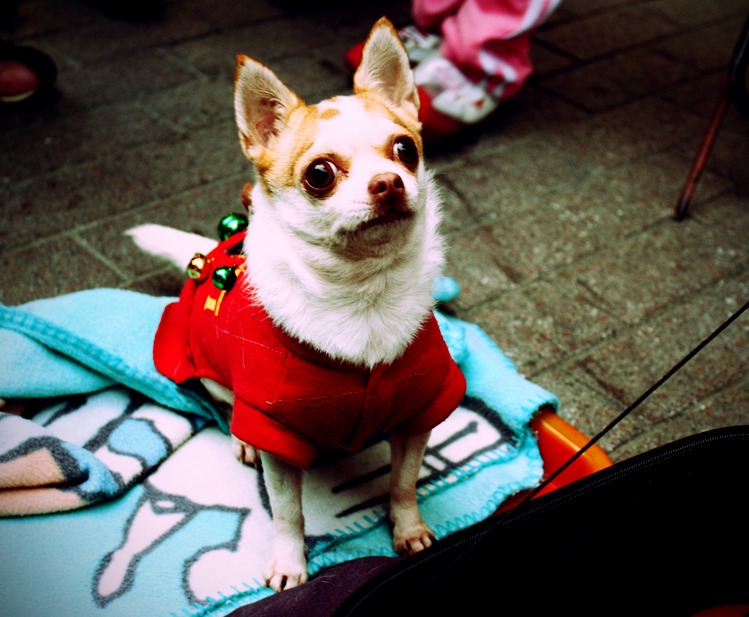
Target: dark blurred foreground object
[663,533]
[24,73]
[734,91]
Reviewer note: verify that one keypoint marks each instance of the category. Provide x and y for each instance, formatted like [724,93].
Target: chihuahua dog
[337,264]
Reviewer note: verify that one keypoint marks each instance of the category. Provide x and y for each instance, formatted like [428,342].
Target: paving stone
[607,32]
[708,48]
[728,212]
[222,14]
[40,16]
[623,135]
[727,408]
[699,95]
[312,77]
[616,203]
[198,211]
[542,323]
[534,113]
[560,14]
[515,177]
[697,12]
[57,267]
[660,265]
[122,78]
[614,81]
[627,366]
[473,259]
[351,22]
[108,37]
[215,54]
[76,138]
[57,202]
[528,243]
[199,157]
[197,104]
[546,60]
[585,7]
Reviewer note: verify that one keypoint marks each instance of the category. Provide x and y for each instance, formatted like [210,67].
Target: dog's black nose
[387,188]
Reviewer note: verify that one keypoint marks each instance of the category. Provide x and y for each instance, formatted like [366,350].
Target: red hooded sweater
[289,397]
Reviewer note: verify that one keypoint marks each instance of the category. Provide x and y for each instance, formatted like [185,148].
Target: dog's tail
[177,247]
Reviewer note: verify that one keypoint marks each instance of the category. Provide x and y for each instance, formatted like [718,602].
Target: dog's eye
[405,150]
[320,175]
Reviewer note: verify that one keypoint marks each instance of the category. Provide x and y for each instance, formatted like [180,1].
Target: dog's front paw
[285,570]
[246,453]
[412,538]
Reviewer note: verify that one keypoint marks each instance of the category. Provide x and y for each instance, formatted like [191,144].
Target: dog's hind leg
[410,533]
[287,566]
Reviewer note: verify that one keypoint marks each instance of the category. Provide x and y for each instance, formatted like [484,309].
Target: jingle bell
[231,224]
[224,278]
[196,265]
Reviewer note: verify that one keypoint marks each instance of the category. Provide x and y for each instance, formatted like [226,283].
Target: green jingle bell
[232,224]
[224,278]
[196,265]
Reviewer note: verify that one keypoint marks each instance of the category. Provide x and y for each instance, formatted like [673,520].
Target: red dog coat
[289,397]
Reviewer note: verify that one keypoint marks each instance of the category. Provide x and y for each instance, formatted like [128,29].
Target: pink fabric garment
[486,37]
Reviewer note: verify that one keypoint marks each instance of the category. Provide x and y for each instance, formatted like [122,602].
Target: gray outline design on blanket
[178,511]
[162,513]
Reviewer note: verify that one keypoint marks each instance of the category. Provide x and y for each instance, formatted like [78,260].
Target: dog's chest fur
[365,312]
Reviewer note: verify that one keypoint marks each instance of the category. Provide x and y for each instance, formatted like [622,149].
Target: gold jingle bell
[196,265]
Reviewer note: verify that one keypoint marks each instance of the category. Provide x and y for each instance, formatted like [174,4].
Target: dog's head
[347,173]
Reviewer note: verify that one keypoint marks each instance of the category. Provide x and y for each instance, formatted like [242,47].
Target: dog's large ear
[385,69]
[262,105]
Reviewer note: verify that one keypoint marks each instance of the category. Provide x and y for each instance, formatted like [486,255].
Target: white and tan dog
[342,248]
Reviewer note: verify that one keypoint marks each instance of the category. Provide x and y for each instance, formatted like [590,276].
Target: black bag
[663,533]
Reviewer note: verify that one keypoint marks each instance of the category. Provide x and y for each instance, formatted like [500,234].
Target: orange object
[558,441]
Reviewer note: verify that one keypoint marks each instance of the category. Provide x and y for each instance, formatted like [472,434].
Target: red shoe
[23,72]
[447,93]
[17,81]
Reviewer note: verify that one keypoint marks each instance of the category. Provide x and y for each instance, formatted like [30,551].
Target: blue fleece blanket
[122,497]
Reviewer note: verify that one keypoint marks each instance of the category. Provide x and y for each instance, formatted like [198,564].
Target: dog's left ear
[385,69]
[262,104]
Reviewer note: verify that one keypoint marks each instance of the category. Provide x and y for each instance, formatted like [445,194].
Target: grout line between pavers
[154,202]
[151,273]
[613,242]
[679,30]
[689,410]
[624,328]
[147,109]
[629,329]
[174,59]
[73,235]
[114,217]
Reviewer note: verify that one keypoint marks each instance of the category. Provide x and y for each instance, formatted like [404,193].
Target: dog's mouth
[388,218]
